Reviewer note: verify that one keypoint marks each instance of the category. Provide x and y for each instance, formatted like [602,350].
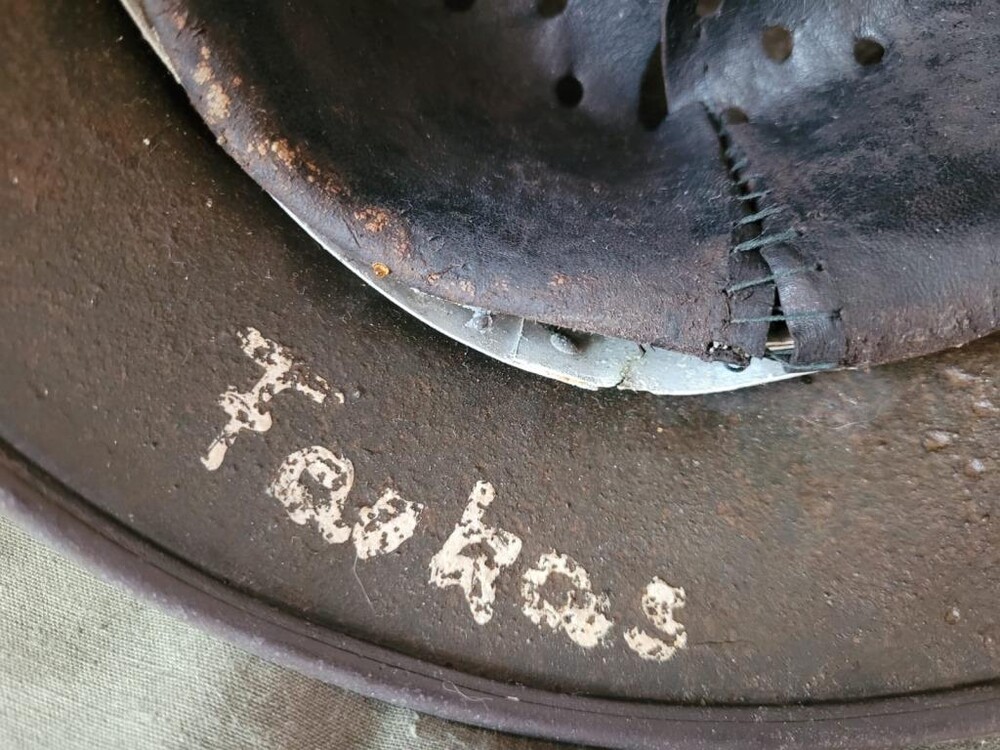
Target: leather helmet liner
[700,176]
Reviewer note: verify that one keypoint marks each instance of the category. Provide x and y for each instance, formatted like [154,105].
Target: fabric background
[85,665]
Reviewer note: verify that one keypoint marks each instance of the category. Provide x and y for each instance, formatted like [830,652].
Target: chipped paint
[582,615]
[381,528]
[281,372]
[374,219]
[203,71]
[659,602]
[385,525]
[335,474]
[286,154]
[217,101]
[476,576]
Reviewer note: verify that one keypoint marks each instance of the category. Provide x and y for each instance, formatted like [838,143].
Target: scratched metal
[836,536]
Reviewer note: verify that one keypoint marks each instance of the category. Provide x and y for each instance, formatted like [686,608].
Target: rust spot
[402,244]
[216,99]
[180,20]
[374,219]
[216,103]
[284,152]
[381,270]
[313,172]
[333,188]
[558,279]
[202,73]
[237,81]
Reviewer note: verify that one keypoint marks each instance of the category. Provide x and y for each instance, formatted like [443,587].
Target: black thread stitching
[783,317]
[764,213]
[752,195]
[770,278]
[764,240]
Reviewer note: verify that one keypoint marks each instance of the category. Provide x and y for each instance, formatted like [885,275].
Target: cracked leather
[431,141]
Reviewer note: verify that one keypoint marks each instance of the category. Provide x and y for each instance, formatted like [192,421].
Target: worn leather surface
[432,141]
[888,172]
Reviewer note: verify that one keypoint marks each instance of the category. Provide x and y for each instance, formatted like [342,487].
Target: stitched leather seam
[759,215]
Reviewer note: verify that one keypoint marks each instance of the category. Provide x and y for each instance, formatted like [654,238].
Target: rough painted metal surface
[827,539]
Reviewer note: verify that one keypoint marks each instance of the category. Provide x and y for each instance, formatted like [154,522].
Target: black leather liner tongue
[523,161]
[878,142]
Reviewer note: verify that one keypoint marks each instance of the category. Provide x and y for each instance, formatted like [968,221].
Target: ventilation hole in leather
[868,51]
[457,6]
[706,8]
[777,41]
[569,91]
[652,92]
[550,8]
[734,116]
